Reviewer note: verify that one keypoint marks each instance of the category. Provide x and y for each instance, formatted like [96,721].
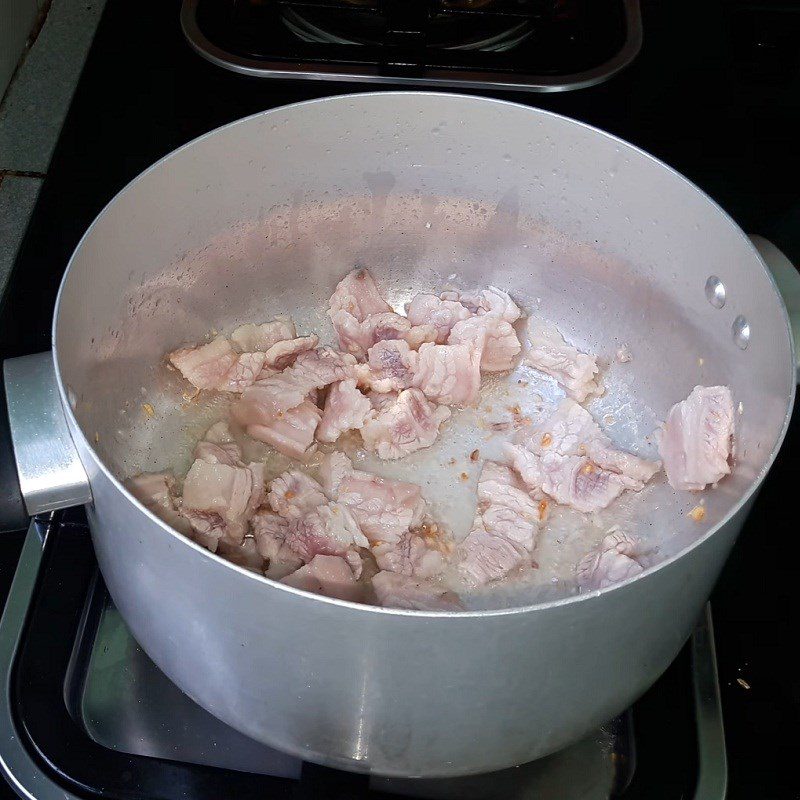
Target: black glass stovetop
[715,92]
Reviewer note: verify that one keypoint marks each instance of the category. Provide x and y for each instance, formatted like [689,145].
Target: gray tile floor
[33,111]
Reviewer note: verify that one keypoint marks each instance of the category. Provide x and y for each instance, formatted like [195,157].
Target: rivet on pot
[741,332]
[715,291]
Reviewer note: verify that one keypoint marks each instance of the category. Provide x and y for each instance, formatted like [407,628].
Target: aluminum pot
[264,216]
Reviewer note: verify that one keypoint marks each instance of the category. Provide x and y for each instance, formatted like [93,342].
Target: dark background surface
[715,93]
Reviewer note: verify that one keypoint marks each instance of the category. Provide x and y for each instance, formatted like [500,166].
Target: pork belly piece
[695,441]
[358,337]
[418,594]
[381,400]
[616,559]
[265,401]
[408,424]
[413,553]
[384,509]
[219,499]
[428,309]
[570,459]
[293,494]
[549,353]
[291,433]
[390,367]
[450,374]
[357,294]
[346,409]
[496,336]
[489,301]
[206,366]
[219,447]
[269,534]
[157,491]
[283,354]
[259,338]
[330,530]
[247,368]
[505,529]
[329,576]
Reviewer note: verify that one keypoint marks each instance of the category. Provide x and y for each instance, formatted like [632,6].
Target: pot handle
[50,473]
[787,279]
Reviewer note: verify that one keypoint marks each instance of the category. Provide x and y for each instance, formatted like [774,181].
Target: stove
[84,713]
[536,45]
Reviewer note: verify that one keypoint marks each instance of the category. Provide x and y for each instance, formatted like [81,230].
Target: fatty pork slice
[498,339]
[260,338]
[269,533]
[284,353]
[450,374]
[156,491]
[695,441]
[390,367]
[570,459]
[206,366]
[408,424]
[219,499]
[428,309]
[385,509]
[505,529]
[358,295]
[346,409]
[615,560]
[247,369]
[292,432]
[264,402]
[417,594]
[415,553]
[489,301]
[330,576]
[330,530]
[549,353]
[293,494]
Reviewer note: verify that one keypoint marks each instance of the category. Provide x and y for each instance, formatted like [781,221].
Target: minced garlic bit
[542,509]
[475,455]
[148,409]
[743,683]
[698,514]
[464,476]
[547,440]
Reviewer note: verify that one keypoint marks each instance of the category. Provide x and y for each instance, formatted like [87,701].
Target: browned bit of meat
[698,514]
[464,476]
[543,506]
[547,440]
[515,409]
[475,455]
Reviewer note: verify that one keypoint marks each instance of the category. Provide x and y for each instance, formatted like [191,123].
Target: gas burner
[534,45]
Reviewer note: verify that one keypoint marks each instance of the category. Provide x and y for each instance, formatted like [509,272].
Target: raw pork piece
[418,594]
[384,509]
[259,338]
[330,530]
[329,576]
[489,301]
[346,409]
[206,366]
[408,424]
[358,295]
[265,401]
[218,446]
[219,499]
[695,441]
[498,338]
[283,354]
[450,374]
[291,432]
[269,533]
[505,529]
[413,554]
[390,367]
[549,353]
[570,459]
[428,309]
[156,492]
[246,370]
[614,560]
[294,494]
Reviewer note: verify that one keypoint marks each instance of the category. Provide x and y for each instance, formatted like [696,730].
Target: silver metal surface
[433,78]
[712,778]
[51,475]
[263,217]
